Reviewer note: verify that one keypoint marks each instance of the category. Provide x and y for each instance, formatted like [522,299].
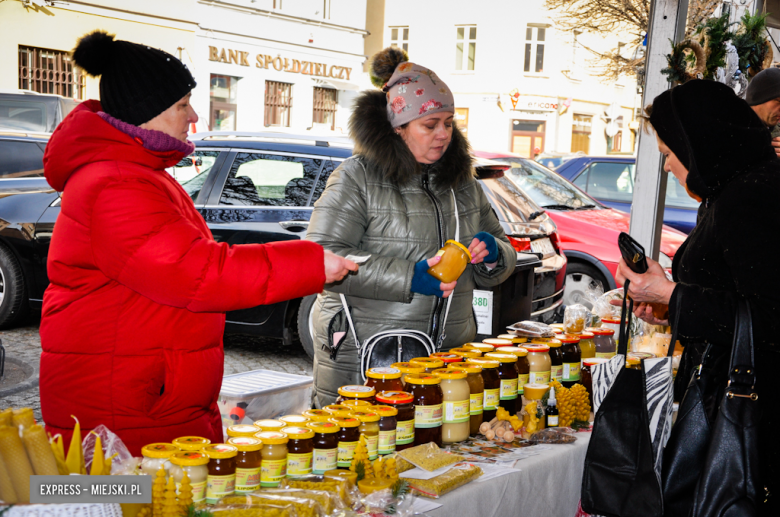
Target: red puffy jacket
[135,310]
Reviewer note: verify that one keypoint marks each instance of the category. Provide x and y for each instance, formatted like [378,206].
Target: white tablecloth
[545,485]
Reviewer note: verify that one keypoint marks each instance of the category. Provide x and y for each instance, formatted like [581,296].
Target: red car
[587,230]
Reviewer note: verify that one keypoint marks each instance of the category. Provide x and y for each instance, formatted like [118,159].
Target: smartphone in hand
[633,253]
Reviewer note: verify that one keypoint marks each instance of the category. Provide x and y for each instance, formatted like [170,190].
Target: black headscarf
[714,133]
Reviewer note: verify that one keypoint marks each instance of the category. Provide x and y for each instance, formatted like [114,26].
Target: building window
[528,137]
[399,37]
[534,49]
[616,141]
[580,133]
[465,47]
[223,96]
[325,100]
[278,103]
[50,71]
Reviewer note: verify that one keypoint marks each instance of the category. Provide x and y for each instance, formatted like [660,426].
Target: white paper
[482,304]
[418,473]
[422,505]
[358,259]
[493,471]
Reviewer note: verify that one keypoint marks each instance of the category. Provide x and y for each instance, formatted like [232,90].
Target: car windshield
[510,203]
[546,188]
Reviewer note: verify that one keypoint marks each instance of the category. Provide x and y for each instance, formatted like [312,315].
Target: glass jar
[572,359]
[325,446]
[356,392]
[338,410]
[354,404]
[613,325]
[633,363]
[348,438]
[269,425]
[454,259]
[369,427]
[535,393]
[586,375]
[447,357]
[507,372]
[482,347]
[388,423]
[587,346]
[428,400]
[273,467]
[556,360]
[516,340]
[156,456]
[384,379]
[317,415]
[429,363]
[406,368]
[195,465]
[300,451]
[466,353]
[492,383]
[247,430]
[540,365]
[497,343]
[639,355]
[403,401]
[294,420]
[221,480]
[456,416]
[248,461]
[522,365]
[190,443]
[476,394]
[604,339]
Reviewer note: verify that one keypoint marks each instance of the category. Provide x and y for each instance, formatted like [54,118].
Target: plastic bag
[257,510]
[576,318]
[531,329]
[342,487]
[331,502]
[383,503]
[447,482]
[122,464]
[429,457]
[303,507]
[552,435]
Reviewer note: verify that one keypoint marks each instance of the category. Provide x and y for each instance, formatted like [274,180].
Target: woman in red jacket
[134,314]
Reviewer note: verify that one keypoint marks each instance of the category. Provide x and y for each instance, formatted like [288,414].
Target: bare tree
[629,18]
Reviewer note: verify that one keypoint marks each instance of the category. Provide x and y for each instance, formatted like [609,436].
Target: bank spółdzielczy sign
[280,64]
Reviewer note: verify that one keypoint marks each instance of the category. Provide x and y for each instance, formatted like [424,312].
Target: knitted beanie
[137,82]
[413,91]
[764,87]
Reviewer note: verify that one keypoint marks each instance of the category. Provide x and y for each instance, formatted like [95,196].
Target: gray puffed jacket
[383,203]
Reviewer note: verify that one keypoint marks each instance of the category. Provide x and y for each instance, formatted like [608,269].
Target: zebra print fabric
[660,399]
[603,376]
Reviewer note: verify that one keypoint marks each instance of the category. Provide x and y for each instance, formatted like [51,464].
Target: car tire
[14,304]
[305,324]
[579,277]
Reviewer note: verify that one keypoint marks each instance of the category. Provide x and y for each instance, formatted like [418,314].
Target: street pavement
[242,354]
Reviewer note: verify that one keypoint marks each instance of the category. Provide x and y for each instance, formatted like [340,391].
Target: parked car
[21,154]
[28,111]
[254,188]
[587,229]
[610,179]
[553,160]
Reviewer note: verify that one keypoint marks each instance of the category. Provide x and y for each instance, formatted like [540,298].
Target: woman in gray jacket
[393,200]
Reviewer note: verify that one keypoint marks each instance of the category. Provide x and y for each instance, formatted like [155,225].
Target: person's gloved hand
[483,249]
[429,285]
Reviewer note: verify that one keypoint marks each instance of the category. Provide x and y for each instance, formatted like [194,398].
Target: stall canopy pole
[667,22]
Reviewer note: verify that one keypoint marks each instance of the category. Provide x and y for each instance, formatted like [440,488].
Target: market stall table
[545,484]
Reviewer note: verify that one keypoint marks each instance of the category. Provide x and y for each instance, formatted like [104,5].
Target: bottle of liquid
[551,412]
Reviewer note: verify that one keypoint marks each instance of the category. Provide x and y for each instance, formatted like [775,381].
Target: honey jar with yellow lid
[190,443]
[454,259]
[317,415]
[429,363]
[195,465]
[269,425]
[356,392]
[248,462]
[338,410]
[482,347]
[221,480]
[466,353]
[248,430]
[294,420]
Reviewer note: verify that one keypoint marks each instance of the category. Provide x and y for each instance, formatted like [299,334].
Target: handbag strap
[673,342]
[625,319]
[742,371]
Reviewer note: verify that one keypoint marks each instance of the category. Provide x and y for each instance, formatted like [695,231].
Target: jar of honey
[195,465]
[454,259]
[348,438]
[540,365]
[428,400]
[516,340]
[300,451]
[294,420]
[325,446]
[354,404]
[156,456]
[429,363]
[406,368]
[482,347]
[269,425]
[190,443]
[356,392]
[404,402]
[447,357]
[388,425]
[466,353]
[587,345]
[248,461]
[456,417]
[507,372]
[556,360]
[497,343]
[384,379]
[273,467]
[476,393]
[369,427]
[604,338]
[586,375]
[317,415]
[522,365]
[572,359]
[492,383]
[247,430]
[221,480]
[338,410]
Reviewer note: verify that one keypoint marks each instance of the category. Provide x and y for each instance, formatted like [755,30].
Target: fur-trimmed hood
[377,142]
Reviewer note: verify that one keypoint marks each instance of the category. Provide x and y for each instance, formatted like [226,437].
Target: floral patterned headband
[414,91]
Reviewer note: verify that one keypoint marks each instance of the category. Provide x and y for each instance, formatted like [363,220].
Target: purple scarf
[149,138]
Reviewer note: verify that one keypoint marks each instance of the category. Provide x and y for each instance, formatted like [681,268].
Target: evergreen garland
[714,34]
[751,44]
[684,66]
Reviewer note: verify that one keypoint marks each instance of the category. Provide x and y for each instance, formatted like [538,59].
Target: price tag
[483,310]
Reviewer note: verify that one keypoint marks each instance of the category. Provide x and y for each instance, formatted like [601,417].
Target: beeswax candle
[6,416]
[23,417]
[16,461]
[75,458]
[59,455]
[39,451]
[7,493]
[98,462]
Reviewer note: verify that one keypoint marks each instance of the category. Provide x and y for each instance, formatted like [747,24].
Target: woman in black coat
[718,148]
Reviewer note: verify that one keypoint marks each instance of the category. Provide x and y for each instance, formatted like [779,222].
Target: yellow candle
[75,458]
[59,455]
[7,493]
[6,416]
[39,451]
[98,461]
[23,417]
[16,461]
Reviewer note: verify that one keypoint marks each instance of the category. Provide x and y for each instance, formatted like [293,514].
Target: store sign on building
[529,103]
[278,63]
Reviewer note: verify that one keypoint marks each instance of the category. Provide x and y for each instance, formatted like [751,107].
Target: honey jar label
[571,372]
[475,403]
[272,472]
[198,491]
[299,464]
[427,416]
[539,377]
[605,355]
[219,486]
[522,380]
[372,445]
[404,432]
[345,454]
[324,460]
[556,373]
[386,443]
[440,253]
[247,480]
[456,412]
[508,389]
[492,397]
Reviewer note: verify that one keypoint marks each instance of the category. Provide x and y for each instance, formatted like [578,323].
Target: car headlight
[665,261]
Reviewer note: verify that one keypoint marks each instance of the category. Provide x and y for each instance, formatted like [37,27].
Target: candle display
[16,462]
[39,451]
[6,416]
[59,455]
[75,458]
[7,492]
[23,417]
[98,461]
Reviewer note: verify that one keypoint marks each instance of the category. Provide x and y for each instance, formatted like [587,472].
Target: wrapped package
[531,329]
[429,457]
[259,510]
[341,486]
[303,507]
[330,501]
[454,478]
[576,318]
[552,435]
